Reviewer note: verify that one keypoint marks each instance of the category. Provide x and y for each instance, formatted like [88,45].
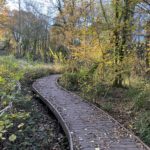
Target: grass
[25,125]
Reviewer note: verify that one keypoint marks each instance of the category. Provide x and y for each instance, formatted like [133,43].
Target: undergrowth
[134,99]
[21,126]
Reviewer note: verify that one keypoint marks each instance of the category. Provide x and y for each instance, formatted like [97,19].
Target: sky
[13,4]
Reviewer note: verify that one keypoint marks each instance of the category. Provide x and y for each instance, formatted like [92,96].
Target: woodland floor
[42,130]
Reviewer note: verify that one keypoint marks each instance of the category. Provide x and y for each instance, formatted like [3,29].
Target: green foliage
[100,90]
[139,94]
[84,80]
[58,57]
[143,126]
[70,81]
[107,107]
[12,138]
[142,100]
[75,80]
[14,73]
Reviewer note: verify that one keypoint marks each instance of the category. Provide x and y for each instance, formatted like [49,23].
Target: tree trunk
[118,51]
[121,39]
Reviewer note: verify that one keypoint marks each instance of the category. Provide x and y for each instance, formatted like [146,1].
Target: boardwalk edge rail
[57,115]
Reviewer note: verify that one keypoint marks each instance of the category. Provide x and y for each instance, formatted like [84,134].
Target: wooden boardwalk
[87,127]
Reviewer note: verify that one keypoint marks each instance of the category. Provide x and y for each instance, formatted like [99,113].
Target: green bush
[142,101]
[107,107]
[75,80]
[143,126]
[139,94]
[83,80]
[13,73]
[70,81]
[100,90]
[131,93]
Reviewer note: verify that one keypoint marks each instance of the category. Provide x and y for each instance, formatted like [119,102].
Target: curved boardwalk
[87,127]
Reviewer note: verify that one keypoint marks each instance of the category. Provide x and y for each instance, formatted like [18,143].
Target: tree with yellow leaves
[3,19]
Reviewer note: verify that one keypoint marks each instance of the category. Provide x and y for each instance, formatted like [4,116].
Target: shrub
[70,81]
[142,99]
[143,126]
[12,73]
[107,106]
